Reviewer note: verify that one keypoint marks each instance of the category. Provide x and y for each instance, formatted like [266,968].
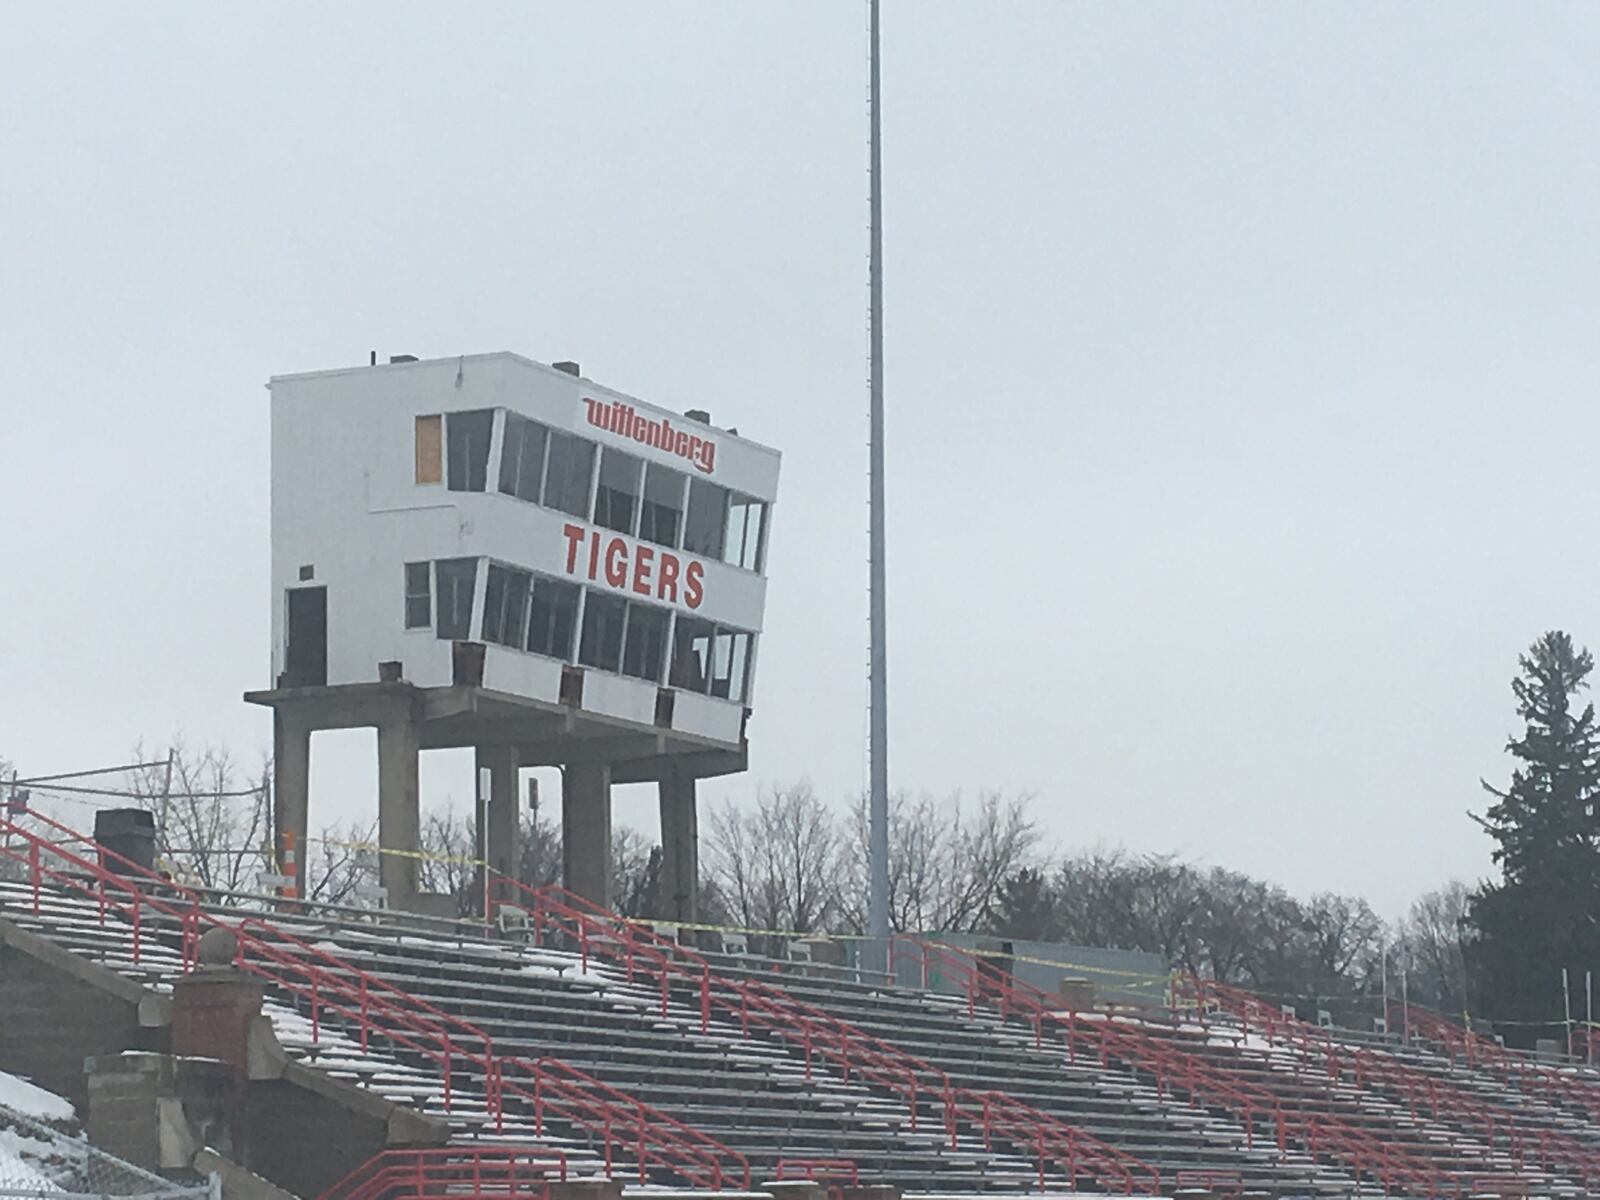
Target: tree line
[787,861]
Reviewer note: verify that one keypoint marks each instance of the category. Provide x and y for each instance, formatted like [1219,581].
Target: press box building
[487,551]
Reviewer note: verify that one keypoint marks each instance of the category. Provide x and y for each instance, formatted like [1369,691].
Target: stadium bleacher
[560,1026]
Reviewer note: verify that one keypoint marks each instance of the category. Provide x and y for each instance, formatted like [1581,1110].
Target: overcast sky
[1241,367]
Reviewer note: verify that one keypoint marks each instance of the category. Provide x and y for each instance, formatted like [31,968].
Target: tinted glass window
[617,496]
[454,581]
[601,643]
[730,657]
[662,513]
[567,475]
[743,546]
[505,605]
[704,527]
[419,609]
[553,617]
[646,644]
[691,655]
[522,458]
[467,449]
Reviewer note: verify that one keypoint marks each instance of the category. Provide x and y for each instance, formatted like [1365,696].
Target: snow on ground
[31,1157]
[21,1096]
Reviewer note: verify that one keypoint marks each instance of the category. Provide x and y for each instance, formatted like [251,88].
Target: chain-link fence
[38,1159]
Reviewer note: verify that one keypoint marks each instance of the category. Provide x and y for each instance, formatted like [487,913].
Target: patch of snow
[32,1101]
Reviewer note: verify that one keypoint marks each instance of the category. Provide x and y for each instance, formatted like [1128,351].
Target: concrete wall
[345,503]
[303,1142]
[56,1010]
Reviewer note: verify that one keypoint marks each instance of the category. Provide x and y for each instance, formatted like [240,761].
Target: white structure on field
[488,551]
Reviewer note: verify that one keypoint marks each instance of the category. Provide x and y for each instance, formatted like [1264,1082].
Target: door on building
[305,660]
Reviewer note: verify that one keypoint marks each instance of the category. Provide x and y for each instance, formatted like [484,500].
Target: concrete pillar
[399,815]
[497,816]
[291,785]
[680,848]
[586,832]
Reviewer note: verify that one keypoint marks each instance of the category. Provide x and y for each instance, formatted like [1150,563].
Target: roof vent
[400,358]
[699,414]
[568,368]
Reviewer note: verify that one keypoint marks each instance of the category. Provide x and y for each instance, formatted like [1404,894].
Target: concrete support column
[497,815]
[680,848]
[399,815]
[586,832]
[291,786]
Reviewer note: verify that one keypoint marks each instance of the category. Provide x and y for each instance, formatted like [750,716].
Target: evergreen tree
[1025,907]
[1541,915]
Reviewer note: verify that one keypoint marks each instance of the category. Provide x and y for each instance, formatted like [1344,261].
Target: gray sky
[1240,369]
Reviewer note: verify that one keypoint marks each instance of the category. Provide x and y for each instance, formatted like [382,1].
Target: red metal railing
[1108,1038]
[1441,1099]
[453,1173]
[326,984]
[817,1170]
[818,1035]
[1214,1183]
[1530,1076]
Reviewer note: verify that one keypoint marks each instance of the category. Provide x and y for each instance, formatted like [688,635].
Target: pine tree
[1541,915]
[1025,906]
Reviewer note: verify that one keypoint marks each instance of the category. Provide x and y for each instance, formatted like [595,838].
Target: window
[455,579]
[601,644]
[663,505]
[505,605]
[467,449]
[743,547]
[566,477]
[691,655]
[553,617]
[522,458]
[618,494]
[703,529]
[646,643]
[729,659]
[419,602]
[430,453]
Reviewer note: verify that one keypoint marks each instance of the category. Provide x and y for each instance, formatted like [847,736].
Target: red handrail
[374,1005]
[817,1169]
[816,1032]
[1112,1038]
[1527,1074]
[453,1173]
[1444,1100]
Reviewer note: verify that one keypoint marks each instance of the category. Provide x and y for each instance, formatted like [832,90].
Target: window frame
[425,596]
[576,591]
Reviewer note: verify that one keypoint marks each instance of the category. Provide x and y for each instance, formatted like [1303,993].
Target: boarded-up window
[430,450]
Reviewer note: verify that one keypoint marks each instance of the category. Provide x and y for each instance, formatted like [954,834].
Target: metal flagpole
[1383,971]
[878,837]
[1566,1004]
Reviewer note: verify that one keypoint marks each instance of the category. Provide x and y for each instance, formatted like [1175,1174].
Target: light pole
[878,745]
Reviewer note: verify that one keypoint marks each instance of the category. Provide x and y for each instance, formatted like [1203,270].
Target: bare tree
[1431,935]
[341,863]
[947,861]
[212,822]
[449,864]
[635,873]
[1343,936]
[775,864]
